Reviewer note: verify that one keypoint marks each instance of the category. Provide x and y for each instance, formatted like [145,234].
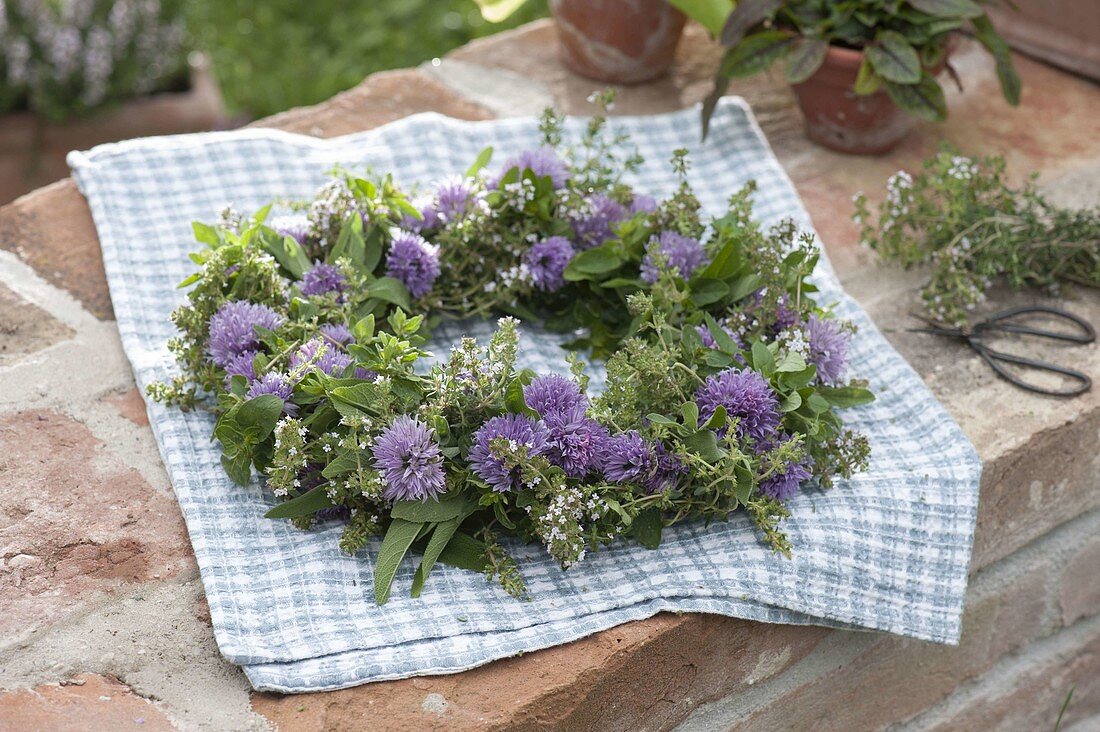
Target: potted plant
[619,41]
[74,75]
[860,68]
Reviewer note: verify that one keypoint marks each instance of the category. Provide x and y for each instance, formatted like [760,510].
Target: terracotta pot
[618,41]
[32,151]
[842,120]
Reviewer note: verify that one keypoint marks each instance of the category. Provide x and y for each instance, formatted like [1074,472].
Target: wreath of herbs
[724,376]
[961,217]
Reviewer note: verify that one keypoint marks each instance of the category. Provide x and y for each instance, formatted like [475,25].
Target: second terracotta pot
[842,120]
[618,41]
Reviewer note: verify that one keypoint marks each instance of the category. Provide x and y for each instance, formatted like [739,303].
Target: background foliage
[278,54]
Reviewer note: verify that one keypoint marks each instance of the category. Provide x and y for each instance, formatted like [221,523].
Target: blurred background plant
[65,58]
[273,55]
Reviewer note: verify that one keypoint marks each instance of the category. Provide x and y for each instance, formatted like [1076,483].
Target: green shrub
[278,54]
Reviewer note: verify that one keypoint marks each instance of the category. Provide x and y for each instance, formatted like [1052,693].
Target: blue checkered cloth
[887,550]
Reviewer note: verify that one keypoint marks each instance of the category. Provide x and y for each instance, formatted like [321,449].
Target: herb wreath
[724,377]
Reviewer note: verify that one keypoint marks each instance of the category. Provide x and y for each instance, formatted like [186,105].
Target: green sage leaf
[894,58]
[399,537]
[306,504]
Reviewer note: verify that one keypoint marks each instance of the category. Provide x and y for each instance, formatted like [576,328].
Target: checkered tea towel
[887,550]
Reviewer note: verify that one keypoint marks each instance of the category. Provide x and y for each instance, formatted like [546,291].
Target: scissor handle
[996,322]
[994,359]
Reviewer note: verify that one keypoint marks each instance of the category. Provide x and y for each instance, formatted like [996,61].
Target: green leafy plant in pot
[861,69]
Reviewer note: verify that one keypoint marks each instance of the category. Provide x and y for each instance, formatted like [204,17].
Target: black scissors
[1001,323]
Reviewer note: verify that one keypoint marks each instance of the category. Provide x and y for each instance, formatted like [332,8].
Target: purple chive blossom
[240,365]
[337,334]
[554,393]
[576,441]
[322,278]
[296,227]
[414,262]
[628,458]
[708,337]
[593,227]
[408,457]
[668,472]
[643,204]
[785,315]
[233,329]
[747,396]
[518,430]
[681,253]
[828,348]
[546,261]
[429,217]
[543,162]
[783,485]
[453,198]
[277,384]
[332,361]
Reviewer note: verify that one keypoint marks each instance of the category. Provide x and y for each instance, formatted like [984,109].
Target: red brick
[647,674]
[87,702]
[1080,596]
[1033,698]
[51,230]
[77,522]
[25,328]
[130,405]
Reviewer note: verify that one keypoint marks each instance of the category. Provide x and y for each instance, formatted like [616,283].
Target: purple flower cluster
[233,330]
[681,253]
[828,344]
[241,365]
[332,360]
[414,262]
[519,431]
[782,486]
[278,385]
[453,199]
[747,396]
[409,459]
[593,227]
[321,279]
[296,227]
[547,260]
[574,440]
[543,162]
[553,393]
[336,334]
[643,204]
[630,458]
[429,217]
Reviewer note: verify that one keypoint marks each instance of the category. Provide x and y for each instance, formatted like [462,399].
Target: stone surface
[85,702]
[76,523]
[25,328]
[381,98]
